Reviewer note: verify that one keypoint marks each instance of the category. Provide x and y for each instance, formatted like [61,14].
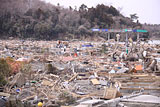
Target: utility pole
[108,36]
[137,36]
[126,43]
[30,4]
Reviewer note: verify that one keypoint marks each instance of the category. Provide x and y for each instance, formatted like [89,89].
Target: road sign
[119,30]
[95,30]
[139,30]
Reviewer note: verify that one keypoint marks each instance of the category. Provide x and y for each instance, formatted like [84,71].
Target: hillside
[154,30]
[40,20]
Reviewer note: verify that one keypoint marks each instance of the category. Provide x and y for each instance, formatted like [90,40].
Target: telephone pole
[30,4]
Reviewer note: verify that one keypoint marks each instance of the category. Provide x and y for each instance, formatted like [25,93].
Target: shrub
[4,71]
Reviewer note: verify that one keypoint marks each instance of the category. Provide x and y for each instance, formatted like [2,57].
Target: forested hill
[39,20]
[153,29]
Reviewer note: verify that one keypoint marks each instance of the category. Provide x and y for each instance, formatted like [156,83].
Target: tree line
[39,20]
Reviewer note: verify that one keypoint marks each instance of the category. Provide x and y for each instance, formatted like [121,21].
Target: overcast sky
[147,10]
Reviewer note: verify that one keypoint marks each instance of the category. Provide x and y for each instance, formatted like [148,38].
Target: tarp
[87,45]
[139,67]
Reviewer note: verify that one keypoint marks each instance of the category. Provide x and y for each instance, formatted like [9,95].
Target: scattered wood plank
[4,94]
[73,77]
[129,88]
[95,82]
[126,84]
[29,97]
[147,81]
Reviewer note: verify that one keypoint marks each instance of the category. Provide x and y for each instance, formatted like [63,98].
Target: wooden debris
[4,94]
[111,93]
[95,82]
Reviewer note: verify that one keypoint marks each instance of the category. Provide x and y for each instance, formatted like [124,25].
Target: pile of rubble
[80,73]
